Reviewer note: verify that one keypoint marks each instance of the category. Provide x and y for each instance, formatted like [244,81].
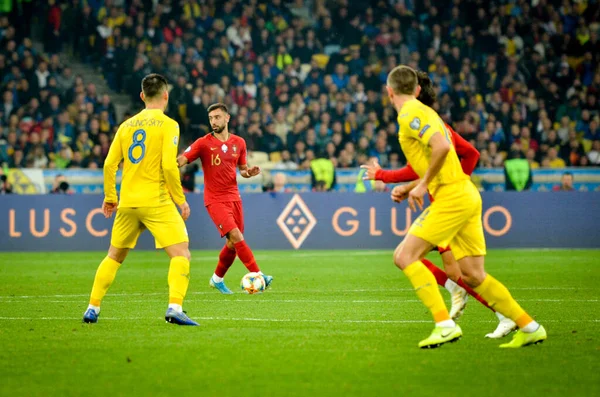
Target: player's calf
[179,274]
[245,254]
[226,259]
[451,266]
[105,275]
[243,250]
[473,273]
[407,257]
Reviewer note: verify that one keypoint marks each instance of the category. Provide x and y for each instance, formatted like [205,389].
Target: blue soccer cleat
[268,280]
[220,286]
[180,318]
[90,316]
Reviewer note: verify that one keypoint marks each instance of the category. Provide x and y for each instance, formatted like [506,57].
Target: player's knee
[181,249]
[230,244]
[452,270]
[473,277]
[402,258]
[184,251]
[397,257]
[235,236]
[117,254]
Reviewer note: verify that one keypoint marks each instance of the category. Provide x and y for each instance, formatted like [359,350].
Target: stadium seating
[510,87]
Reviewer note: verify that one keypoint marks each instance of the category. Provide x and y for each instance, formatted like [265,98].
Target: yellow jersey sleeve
[169,162]
[418,125]
[111,165]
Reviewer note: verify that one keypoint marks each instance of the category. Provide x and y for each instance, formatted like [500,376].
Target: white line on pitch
[276,320]
[197,258]
[259,300]
[279,292]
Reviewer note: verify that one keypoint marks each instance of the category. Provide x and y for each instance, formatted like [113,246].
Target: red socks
[474,294]
[246,256]
[226,258]
[441,278]
[439,274]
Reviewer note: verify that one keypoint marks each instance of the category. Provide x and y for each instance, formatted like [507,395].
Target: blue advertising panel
[307,221]
[91,181]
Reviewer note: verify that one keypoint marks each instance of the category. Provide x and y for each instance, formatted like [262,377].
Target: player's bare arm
[371,170]
[185,210]
[400,192]
[248,172]
[171,171]
[108,209]
[181,161]
[440,147]
[376,173]
[185,207]
[191,154]
[111,165]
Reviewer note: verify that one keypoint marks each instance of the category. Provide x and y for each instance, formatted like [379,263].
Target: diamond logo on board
[296,221]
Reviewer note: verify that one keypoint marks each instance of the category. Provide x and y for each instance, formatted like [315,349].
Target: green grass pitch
[334,323]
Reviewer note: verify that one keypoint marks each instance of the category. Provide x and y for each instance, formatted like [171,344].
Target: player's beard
[218,129]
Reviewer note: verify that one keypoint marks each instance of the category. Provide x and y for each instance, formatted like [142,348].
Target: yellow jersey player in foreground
[454,218]
[150,187]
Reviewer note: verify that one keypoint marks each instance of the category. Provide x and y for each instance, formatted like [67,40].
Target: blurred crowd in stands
[305,79]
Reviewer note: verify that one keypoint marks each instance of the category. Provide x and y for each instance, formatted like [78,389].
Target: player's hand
[416,195]
[253,171]
[108,209]
[400,193]
[185,210]
[371,170]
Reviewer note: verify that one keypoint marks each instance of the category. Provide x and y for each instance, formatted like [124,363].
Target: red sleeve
[193,151]
[405,174]
[242,160]
[468,155]
[54,17]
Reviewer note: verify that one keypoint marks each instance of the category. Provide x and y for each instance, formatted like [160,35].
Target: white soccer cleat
[459,302]
[505,327]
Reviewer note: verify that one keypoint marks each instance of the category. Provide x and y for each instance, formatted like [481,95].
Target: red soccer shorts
[441,250]
[227,216]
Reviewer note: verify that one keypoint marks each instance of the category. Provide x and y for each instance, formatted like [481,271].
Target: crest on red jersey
[224,148]
[234,148]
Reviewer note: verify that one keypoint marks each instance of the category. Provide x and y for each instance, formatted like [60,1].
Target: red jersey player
[451,278]
[221,154]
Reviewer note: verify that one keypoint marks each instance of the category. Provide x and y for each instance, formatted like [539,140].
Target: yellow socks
[427,290]
[104,277]
[499,298]
[179,279]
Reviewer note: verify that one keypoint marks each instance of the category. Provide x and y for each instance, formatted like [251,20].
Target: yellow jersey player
[150,187]
[453,218]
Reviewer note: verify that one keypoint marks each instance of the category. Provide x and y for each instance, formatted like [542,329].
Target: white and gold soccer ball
[253,283]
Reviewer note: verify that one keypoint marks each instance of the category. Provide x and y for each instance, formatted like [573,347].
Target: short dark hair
[403,80]
[427,95]
[217,106]
[153,85]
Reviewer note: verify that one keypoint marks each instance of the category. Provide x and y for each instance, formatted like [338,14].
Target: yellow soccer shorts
[164,222]
[454,218]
